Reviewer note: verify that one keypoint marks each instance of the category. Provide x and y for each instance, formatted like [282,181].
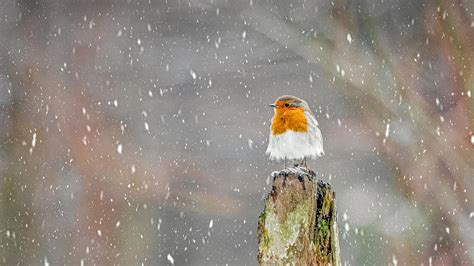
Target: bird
[294,132]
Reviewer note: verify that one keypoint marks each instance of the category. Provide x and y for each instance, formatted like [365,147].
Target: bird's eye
[287,105]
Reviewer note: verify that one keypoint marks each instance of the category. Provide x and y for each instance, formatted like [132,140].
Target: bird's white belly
[295,145]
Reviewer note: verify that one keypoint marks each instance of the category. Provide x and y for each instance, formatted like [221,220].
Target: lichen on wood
[298,224]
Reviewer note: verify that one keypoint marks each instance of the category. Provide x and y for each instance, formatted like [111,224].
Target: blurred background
[134,132]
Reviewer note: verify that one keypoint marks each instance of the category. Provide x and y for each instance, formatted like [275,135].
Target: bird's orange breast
[289,119]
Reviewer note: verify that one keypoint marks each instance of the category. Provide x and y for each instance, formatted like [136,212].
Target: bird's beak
[272,105]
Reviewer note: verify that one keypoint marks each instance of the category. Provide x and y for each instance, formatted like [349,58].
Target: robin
[295,133]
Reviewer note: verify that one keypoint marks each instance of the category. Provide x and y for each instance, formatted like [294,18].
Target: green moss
[280,235]
[266,238]
[263,229]
[294,221]
[324,227]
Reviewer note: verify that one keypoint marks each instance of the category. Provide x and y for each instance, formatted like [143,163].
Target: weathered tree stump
[298,225]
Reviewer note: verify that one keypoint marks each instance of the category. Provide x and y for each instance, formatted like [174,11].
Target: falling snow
[170,258]
[119,148]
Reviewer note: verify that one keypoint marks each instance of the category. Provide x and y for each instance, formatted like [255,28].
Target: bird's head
[288,102]
[290,114]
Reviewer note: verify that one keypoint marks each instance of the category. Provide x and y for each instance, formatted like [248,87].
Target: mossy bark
[298,225]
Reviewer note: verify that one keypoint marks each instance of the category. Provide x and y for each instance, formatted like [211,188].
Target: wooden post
[298,224]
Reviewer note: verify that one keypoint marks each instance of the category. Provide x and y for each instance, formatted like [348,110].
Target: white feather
[297,145]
